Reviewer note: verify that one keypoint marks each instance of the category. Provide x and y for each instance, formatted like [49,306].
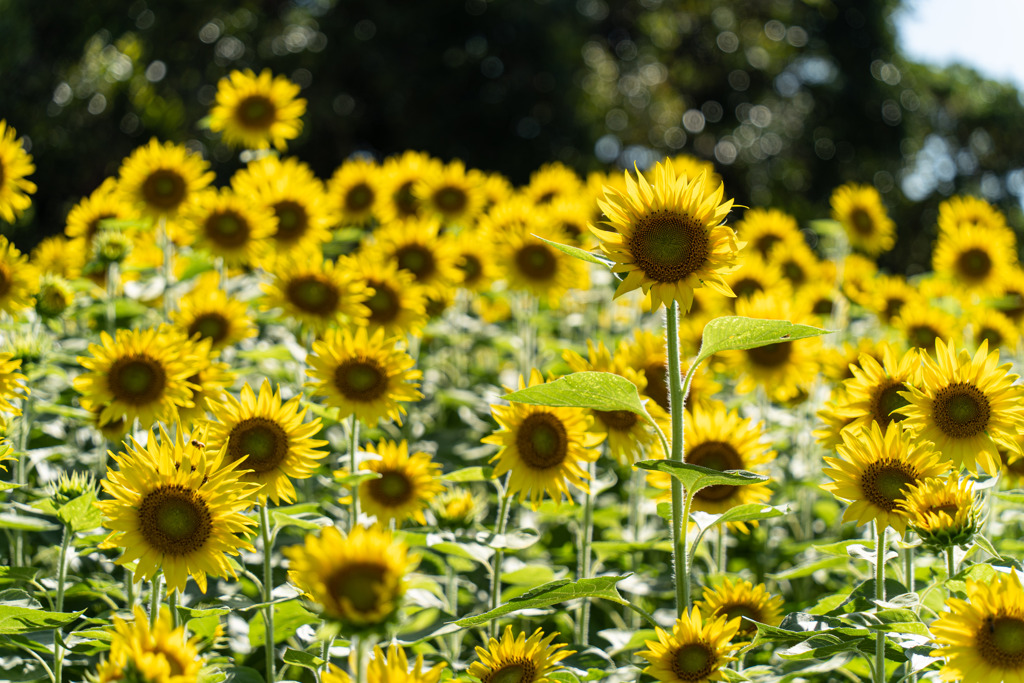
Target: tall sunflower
[921,326]
[763,229]
[957,213]
[544,448]
[392,668]
[86,218]
[210,313]
[451,193]
[667,238]
[155,652]
[696,651]
[407,483]
[518,658]
[975,258]
[399,177]
[417,246]
[860,211]
[981,637]
[396,304]
[272,436]
[742,598]
[159,179]
[967,407]
[358,579]
[533,266]
[173,508]
[354,191]
[228,226]
[57,255]
[874,471]
[15,165]
[550,182]
[254,112]
[873,394]
[19,279]
[368,376]
[316,292]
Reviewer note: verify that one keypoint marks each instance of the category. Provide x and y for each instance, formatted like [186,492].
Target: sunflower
[720,439]
[159,179]
[798,264]
[550,182]
[137,374]
[837,417]
[697,650]
[756,275]
[981,637]
[406,485]
[874,392]
[888,296]
[966,406]
[210,313]
[1010,298]
[19,279]
[860,210]
[272,436]
[175,508]
[944,512]
[394,668]
[399,176]
[668,239]
[59,256]
[544,448]
[397,305]
[859,276]
[55,296]
[458,509]
[496,188]
[975,258]
[13,384]
[15,165]
[475,260]
[156,653]
[742,599]
[354,191]
[211,380]
[995,327]
[451,193]
[922,326]
[837,360]
[86,218]
[254,112]
[316,292]
[572,216]
[874,472]
[518,658]
[358,579]
[368,376]
[228,226]
[646,352]
[296,197]
[763,229]
[691,167]
[418,247]
[957,213]
[533,266]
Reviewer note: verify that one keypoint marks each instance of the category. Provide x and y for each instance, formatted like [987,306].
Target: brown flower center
[668,246]
[884,481]
[164,189]
[384,305]
[517,670]
[746,286]
[210,326]
[1000,641]
[657,387]
[961,410]
[772,355]
[137,380]
[617,420]
[694,662]
[417,259]
[175,520]
[886,400]
[292,221]
[922,336]
[405,201]
[451,201]
[862,223]
[472,269]
[227,229]
[542,441]
[715,455]
[312,294]
[536,262]
[741,609]
[392,489]
[974,265]
[361,379]
[764,243]
[359,198]
[358,583]
[262,439]
[256,112]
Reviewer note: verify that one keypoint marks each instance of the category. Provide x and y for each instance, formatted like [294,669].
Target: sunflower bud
[457,509]
[944,512]
[111,247]
[54,297]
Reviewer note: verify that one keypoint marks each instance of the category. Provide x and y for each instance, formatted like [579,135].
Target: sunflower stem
[62,575]
[880,596]
[908,568]
[451,590]
[154,599]
[950,563]
[113,283]
[583,563]
[721,558]
[679,517]
[499,557]
[325,651]
[636,521]
[164,237]
[268,589]
[353,460]
[361,646]
[172,604]
[129,589]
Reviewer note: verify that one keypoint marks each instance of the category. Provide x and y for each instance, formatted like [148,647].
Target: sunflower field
[414,422]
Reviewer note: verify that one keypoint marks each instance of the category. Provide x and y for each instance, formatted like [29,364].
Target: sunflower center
[1001,642]
[292,221]
[360,380]
[536,262]
[450,200]
[256,112]
[392,489]
[974,264]
[861,222]
[313,295]
[668,246]
[542,441]
[886,400]
[961,410]
[227,229]
[164,189]
[893,305]
[572,230]
[657,387]
[175,663]
[771,356]
[694,662]
[715,455]
[416,259]
[747,286]
[358,198]
[209,326]
[764,243]
[794,272]
[922,336]
[946,508]
[175,519]
[263,440]
[741,610]
[472,269]
[620,420]
[384,305]
[358,583]
[405,200]
[883,482]
[992,336]
[137,380]
[1016,310]
[94,225]
[519,670]
[823,307]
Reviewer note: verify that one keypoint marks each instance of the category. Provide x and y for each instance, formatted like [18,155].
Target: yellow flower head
[860,210]
[551,182]
[874,393]
[451,193]
[763,229]
[254,112]
[741,598]
[394,668]
[957,213]
[154,653]
[944,512]
[396,304]
[695,652]
[354,191]
[417,246]
[518,658]
[316,292]
[406,485]
[228,226]
[15,165]
[19,279]
[210,313]
[159,179]
[12,383]
[975,258]
[86,218]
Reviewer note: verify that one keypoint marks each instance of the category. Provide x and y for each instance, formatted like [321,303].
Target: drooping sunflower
[518,658]
[228,226]
[544,448]
[254,112]
[19,279]
[417,246]
[922,326]
[15,165]
[695,652]
[975,258]
[137,374]
[860,210]
[874,471]
[393,668]
[159,179]
[944,512]
[667,238]
[957,213]
[873,395]
[273,437]
[407,483]
[980,638]
[550,182]
[399,176]
[763,229]
[175,508]
[354,191]
[533,266]
[451,193]
[368,376]
[396,305]
[209,312]
[358,579]
[742,598]
[316,292]
[156,653]
[12,383]
[967,407]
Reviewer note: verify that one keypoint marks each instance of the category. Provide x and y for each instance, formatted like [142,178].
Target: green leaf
[809,568]
[594,390]
[243,674]
[986,545]
[469,474]
[15,620]
[7,486]
[303,659]
[751,512]
[552,594]
[695,477]
[81,513]
[288,616]
[354,480]
[735,333]
[576,252]
[470,551]
[25,523]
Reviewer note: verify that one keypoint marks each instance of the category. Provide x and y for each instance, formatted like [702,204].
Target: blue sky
[984,34]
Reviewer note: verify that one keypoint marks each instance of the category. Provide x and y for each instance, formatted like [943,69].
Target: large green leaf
[694,477]
[552,594]
[734,333]
[576,252]
[595,390]
[751,512]
[26,620]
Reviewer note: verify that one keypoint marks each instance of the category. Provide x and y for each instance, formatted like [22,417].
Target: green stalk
[113,284]
[879,596]
[62,575]
[499,557]
[172,604]
[451,591]
[635,525]
[679,517]
[950,563]
[154,599]
[721,558]
[583,562]
[908,568]
[21,472]
[361,646]
[353,450]
[325,649]
[268,588]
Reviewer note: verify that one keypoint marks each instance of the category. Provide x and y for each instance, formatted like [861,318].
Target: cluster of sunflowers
[288,390]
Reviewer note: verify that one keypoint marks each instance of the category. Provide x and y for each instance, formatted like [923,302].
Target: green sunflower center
[536,262]
[887,400]
[542,440]
[210,326]
[227,229]
[256,112]
[1000,642]
[359,584]
[618,420]
[384,305]
[518,670]
[884,481]
[451,200]
[314,295]
[292,221]
[359,198]
[694,662]
[772,355]
[668,246]
[262,439]
[715,455]
[417,259]
[164,189]
[361,379]
[175,519]
[862,222]
[961,410]
[392,489]
[974,264]
[137,380]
